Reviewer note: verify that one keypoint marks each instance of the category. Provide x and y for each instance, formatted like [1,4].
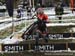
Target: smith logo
[14,48]
[45,47]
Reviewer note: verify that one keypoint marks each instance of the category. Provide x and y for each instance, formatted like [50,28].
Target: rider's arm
[46,18]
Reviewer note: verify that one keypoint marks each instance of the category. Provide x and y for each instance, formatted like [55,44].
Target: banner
[71,46]
[41,47]
[9,6]
[52,35]
[61,35]
[23,47]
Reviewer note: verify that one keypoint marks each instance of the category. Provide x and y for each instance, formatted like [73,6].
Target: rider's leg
[37,40]
[45,33]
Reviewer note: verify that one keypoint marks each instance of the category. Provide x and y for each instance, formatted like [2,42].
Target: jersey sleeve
[46,17]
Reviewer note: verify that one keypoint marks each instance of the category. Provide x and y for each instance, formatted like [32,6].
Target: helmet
[40,11]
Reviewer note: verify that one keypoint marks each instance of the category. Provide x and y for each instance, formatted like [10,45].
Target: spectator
[59,11]
[25,4]
[19,12]
[29,11]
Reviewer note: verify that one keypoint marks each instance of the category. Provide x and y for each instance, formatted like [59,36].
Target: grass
[8,31]
[70,17]
[59,29]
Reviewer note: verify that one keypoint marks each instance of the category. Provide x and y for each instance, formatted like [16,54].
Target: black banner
[53,35]
[61,35]
[49,47]
[22,47]
[73,34]
[71,46]
[41,47]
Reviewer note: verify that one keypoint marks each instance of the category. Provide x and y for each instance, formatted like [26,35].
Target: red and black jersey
[42,17]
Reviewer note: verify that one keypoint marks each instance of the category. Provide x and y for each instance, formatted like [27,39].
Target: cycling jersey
[42,17]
